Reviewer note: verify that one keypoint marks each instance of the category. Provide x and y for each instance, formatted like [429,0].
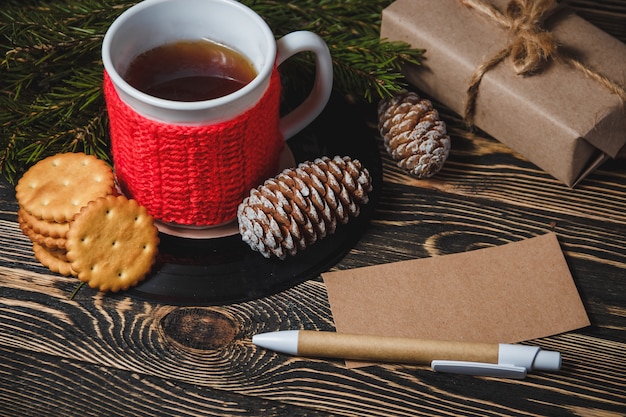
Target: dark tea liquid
[190,70]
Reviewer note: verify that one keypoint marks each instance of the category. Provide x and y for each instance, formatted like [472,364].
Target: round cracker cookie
[43,227]
[43,240]
[112,243]
[57,187]
[53,259]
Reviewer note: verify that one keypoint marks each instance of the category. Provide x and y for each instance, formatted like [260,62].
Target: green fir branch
[364,65]
[51,96]
[51,81]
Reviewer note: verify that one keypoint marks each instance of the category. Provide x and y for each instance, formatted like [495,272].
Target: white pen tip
[284,342]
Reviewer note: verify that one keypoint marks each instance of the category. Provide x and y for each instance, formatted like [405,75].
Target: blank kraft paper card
[505,294]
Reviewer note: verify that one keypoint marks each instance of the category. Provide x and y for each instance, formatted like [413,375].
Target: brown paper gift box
[562,121]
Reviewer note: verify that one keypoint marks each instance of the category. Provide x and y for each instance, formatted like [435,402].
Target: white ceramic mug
[153,23]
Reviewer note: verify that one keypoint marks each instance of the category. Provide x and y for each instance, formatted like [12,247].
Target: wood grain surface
[109,355]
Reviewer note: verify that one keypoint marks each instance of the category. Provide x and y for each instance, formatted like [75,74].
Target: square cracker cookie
[57,187]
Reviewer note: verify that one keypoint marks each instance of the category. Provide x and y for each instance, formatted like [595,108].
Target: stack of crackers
[79,226]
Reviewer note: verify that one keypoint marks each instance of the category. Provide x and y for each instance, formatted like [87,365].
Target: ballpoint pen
[481,359]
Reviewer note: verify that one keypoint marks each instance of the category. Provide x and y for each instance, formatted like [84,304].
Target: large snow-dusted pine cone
[303,205]
[413,134]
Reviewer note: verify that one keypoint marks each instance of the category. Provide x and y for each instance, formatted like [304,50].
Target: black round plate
[226,270]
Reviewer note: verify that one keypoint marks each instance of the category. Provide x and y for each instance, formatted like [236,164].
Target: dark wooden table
[102,355]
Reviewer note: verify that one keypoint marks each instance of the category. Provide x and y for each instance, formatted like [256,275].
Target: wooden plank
[38,385]
[144,339]
[471,206]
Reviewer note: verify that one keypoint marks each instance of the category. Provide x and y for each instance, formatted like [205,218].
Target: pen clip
[479,369]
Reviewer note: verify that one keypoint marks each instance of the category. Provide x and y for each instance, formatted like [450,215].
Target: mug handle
[312,106]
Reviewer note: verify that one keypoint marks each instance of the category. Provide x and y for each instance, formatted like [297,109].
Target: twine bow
[530,46]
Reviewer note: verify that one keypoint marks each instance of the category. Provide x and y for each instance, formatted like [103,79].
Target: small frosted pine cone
[302,205]
[413,134]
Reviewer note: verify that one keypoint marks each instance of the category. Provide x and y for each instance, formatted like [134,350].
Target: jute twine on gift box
[531,47]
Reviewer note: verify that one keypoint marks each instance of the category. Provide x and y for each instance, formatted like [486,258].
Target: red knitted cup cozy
[194,175]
